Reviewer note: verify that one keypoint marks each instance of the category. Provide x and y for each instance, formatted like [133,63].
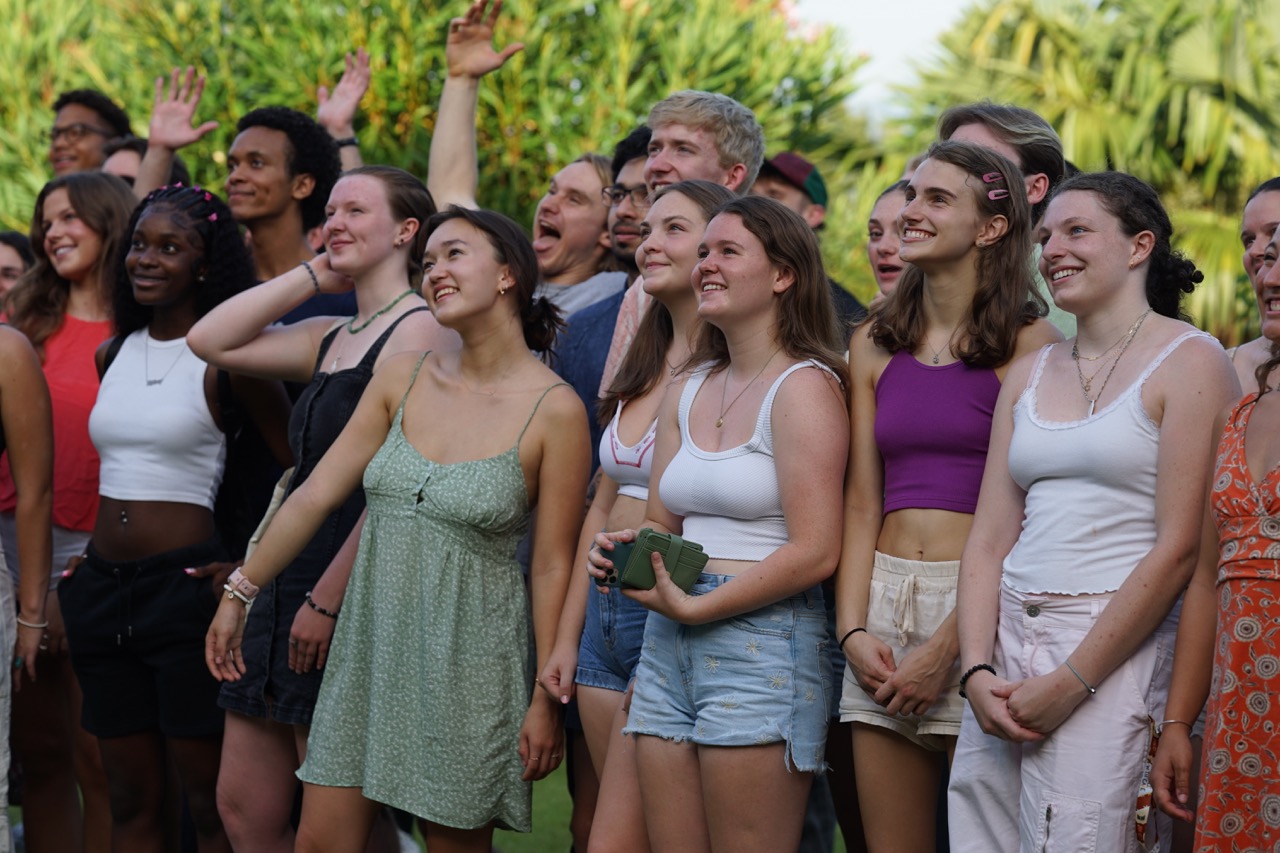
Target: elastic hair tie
[996,195]
[992,178]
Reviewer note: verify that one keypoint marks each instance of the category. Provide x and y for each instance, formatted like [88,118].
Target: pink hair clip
[213,217]
[992,178]
[996,195]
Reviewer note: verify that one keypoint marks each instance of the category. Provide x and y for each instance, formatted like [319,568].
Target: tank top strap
[541,397]
[691,386]
[764,420]
[412,379]
[1042,358]
[371,356]
[1166,352]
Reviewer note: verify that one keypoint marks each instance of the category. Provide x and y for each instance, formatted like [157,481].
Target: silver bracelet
[1092,690]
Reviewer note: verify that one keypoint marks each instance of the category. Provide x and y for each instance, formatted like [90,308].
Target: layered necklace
[1086,383]
[724,410]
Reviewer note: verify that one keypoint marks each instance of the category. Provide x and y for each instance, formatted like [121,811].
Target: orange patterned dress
[1239,805]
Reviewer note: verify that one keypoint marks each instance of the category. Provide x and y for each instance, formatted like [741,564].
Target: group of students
[944,543]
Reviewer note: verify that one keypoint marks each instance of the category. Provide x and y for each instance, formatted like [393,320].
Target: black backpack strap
[232,415]
[113,350]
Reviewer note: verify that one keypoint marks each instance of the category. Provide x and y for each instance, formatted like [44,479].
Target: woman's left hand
[541,737]
[309,640]
[665,597]
[27,647]
[918,681]
[1041,704]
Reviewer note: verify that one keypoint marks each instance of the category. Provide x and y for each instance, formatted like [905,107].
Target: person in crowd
[26,437]
[1226,637]
[133,609]
[63,306]
[1085,536]
[15,259]
[925,374]
[794,181]
[1031,144]
[583,344]
[628,198]
[455,449]
[84,121]
[375,239]
[570,226]
[733,679]
[598,641]
[124,160]
[884,241]
[696,136]
[1257,227]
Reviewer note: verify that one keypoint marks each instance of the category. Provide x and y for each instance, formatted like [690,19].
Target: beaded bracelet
[849,634]
[976,668]
[39,625]
[332,614]
[315,282]
[347,142]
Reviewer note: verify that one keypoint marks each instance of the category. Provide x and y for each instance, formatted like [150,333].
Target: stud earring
[502,291]
[982,244]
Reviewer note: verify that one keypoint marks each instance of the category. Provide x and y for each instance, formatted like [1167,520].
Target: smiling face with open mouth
[1086,254]
[74,249]
[734,277]
[883,240]
[164,254]
[940,222]
[570,227]
[463,275]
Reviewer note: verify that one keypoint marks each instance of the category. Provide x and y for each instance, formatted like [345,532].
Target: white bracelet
[39,625]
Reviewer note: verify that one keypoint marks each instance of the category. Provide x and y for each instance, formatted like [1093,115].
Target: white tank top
[1091,490]
[629,467]
[729,499]
[152,426]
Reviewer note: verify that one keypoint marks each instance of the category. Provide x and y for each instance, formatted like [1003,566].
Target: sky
[891,32]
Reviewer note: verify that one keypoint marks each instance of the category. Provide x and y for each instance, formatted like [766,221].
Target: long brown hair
[38,302]
[807,325]
[646,359]
[1005,299]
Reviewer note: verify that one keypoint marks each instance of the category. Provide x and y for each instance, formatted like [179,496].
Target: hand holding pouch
[633,567]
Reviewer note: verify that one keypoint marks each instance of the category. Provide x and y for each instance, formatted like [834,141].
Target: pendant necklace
[724,410]
[937,353]
[146,362]
[1086,385]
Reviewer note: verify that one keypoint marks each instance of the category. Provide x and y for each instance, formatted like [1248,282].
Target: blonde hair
[739,138]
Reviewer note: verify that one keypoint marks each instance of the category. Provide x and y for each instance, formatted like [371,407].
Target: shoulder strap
[541,397]
[697,377]
[764,419]
[232,416]
[113,350]
[371,356]
[412,379]
[1168,350]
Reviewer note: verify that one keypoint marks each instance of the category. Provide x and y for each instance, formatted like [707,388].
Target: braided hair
[224,269]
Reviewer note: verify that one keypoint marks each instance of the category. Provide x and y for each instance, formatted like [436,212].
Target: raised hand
[469,50]
[173,113]
[336,112]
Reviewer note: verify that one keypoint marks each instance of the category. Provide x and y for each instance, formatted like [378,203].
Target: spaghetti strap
[1168,350]
[412,379]
[541,397]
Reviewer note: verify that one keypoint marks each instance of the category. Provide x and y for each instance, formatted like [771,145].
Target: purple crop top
[933,427]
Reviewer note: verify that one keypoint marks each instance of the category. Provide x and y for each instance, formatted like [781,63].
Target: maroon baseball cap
[798,172]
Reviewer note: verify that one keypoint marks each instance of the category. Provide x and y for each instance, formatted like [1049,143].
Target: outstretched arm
[172,127]
[452,171]
[336,111]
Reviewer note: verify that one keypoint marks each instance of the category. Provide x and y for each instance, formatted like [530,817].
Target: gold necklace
[724,410]
[1086,385]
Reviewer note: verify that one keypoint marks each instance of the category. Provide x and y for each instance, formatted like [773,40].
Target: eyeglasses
[73,133]
[614,195]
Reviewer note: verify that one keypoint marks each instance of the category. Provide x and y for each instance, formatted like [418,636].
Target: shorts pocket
[1067,824]
[773,620]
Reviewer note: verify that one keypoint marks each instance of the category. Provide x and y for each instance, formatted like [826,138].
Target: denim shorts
[611,637]
[753,679]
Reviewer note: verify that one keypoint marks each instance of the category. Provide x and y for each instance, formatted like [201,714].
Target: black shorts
[136,630]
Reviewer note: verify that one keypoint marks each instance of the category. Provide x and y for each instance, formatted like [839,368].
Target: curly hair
[108,110]
[807,327]
[634,146]
[539,318]
[311,151]
[646,359]
[37,303]
[1005,299]
[1137,207]
[224,268]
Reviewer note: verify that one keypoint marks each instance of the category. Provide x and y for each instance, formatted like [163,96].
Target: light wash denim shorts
[757,678]
[611,637]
